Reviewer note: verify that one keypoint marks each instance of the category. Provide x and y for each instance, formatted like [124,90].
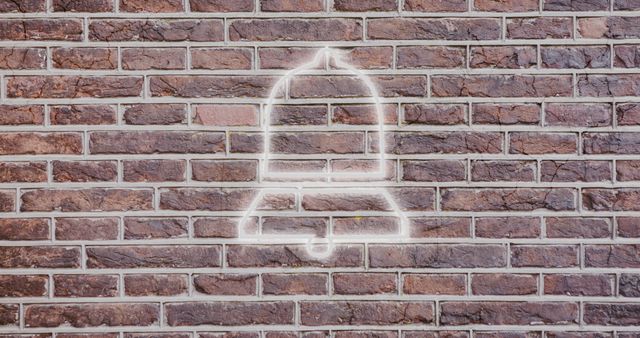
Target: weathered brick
[85,285]
[440,142]
[628,227]
[90,199]
[611,314]
[365,313]
[351,86]
[84,171]
[193,256]
[503,57]
[41,29]
[292,5]
[501,85]
[575,57]
[506,5]
[364,283]
[576,5]
[508,199]
[221,5]
[577,227]
[23,286]
[432,284]
[86,228]
[71,86]
[229,313]
[504,284]
[544,256]
[430,57]
[25,229]
[436,6]
[158,6]
[218,199]
[437,227]
[575,171]
[30,172]
[508,227]
[7,200]
[628,114]
[326,29]
[627,170]
[495,171]
[93,6]
[91,315]
[88,114]
[23,58]
[225,170]
[608,85]
[228,115]
[438,114]
[508,313]
[629,285]
[433,29]
[291,256]
[211,86]
[363,114]
[578,284]
[611,143]
[225,284]
[221,58]
[152,142]
[154,170]
[155,284]
[49,257]
[317,143]
[23,143]
[366,57]
[9,314]
[612,256]
[85,58]
[437,256]
[626,56]
[156,30]
[434,170]
[623,199]
[539,28]
[531,143]
[578,115]
[613,27]
[153,58]
[151,113]
[155,227]
[626,4]
[21,114]
[364,5]
[294,284]
[26,6]
[507,114]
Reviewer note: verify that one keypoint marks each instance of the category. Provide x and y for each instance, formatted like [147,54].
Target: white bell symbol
[328,204]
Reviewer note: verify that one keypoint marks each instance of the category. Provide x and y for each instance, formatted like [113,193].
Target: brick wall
[129,142]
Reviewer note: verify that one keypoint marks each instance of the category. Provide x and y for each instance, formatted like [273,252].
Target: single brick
[363,114]
[7,200]
[85,285]
[626,4]
[9,314]
[508,313]
[436,6]
[290,115]
[157,6]
[628,114]
[440,142]
[508,199]
[579,284]
[626,56]
[544,256]
[152,142]
[506,5]
[92,6]
[84,171]
[627,170]
[154,170]
[155,285]
[578,115]
[612,256]
[365,312]
[152,113]
[431,57]
[225,284]
[576,5]
[325,29]
[294,284]
[215,199]
[504,284]
[367,57]
[433,29]
[155,227]
[575,171]
[46,257]
[292,256]
[628,227]
[503,57]
[440,227]
[85,58]
[40,143]
[24,229]
[227,115]
[433,170]
[437,114]
[23,58]
[221,58]
[365,5]
[21,114]
[88,114]
[23,286]
[221,5]
[495,171]
[90,199]
[505,113]
[622,199]
[92,315]
[608,85]
[611,143]
[292,5]
[578,227]
[71,86]
[285,57]
[224,170]
[611,314]
[169,30]
[41,29]
[11,172]
[432,284]
[325,86]
[539,28]
[508,227]
[230,313]
[629,285]
[25,6]
[437,256]
[364,283]
[153,58]
[575,57]
[87,228]
[532,143]
[177,256]
[210,86]
[501,85]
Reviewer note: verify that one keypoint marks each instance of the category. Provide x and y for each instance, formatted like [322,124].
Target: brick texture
[130,144]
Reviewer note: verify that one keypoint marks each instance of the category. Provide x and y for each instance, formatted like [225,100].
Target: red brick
[22,114]
[432,284]
[47,257]
[508,227]
[193,256]
[363,114]
[226,284]
[152,113]
[218,199]
[575,171]
[578,227]
[26,6]
[157,6]
[507,114]
[508,313]
[628,114]
[433,29]
[628,227]
[611,143]
[623,199]
[578,115]
[292,5]
[11,172]
[434,171]
[365,312]
[351,86]
[437,256]
[503,57]
[85,58]
[326,29]
[23,285]
[364,283]
[531,143]
[578,285]
[504,284]
[612,256]
[291,256]
[87,228]
[211,86]
[169,30]
[573,5]
[154,142]
[41,29]
[88,114]
[608,85]
[540,28]
[23,143]
[91,315]
[221,58]
[153,58]
[437,114]
[611,314]
[7,200]
[17,229]
[222,115]
[294,284]
[436,6]
[367,57]
[317,143]
[93,6]
[544,256]
[84,171]
[506,5]
[508,199]
[626,5]
[495,171]
[440,142]
[23,58]
[627,170]
[155,285]
[225,170]
[221,5]
[501,85]
[626,56]
[85,285]
[90,199]
[365,5]
[155,227]
[437,227]
[212,227]
[154,170]
[284,57]
[575,57]
[230,313]
[61,86]
[9,314]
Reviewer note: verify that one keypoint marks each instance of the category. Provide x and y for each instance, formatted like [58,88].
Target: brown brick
[431,57]
[433,29]
[153,142]
[578,285]
[93,6]
[152,113]
[628,227]
[88,114]
[437,114]
[508,199]
[608,85]
[365,312]
[87,228]
[364,5]
[434,170]
[156,6]
[17,229]
[90,199]
[407,199]
[351,86]
[155,285]
[507,114]
[611,143]
[501,85]
[84,171]
[575,171]
[41,29]
[51,257]
[221,58]
[436,6]
[578,115]
[628,114]
[508,227]
[508,313]
[169,30]
[11,172]
[317,143]
[155,227]
[440,227]
[23,286]
[612,256]
[432,284]
[221,5]
[364,283]
[506,5]
[626,5]
[292,5]
[91,315]
[7,200]
[495,171]
[291,256]
[154,170]
[626,56]
[366,57]
[611,314]
[227,115]
[627,170]
[85,285]
[544,256]
[629,285]
[623,199]
[289,115]
[26,6]
[23,58]
[326,29]
[23,143]
[578,227]
[9,314]
[437,256]
[503,57]
[71,86]
[211,86]
[213,199]
[575,57]
[230,313]
[21,114]
[530,143]
[441,142]
[294,284]
[363,114]
[85,58]
[194,256]
[539,28]
[576,5]
[284,57]
[153,58]
[504,284]
[225,170]
[226,284]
